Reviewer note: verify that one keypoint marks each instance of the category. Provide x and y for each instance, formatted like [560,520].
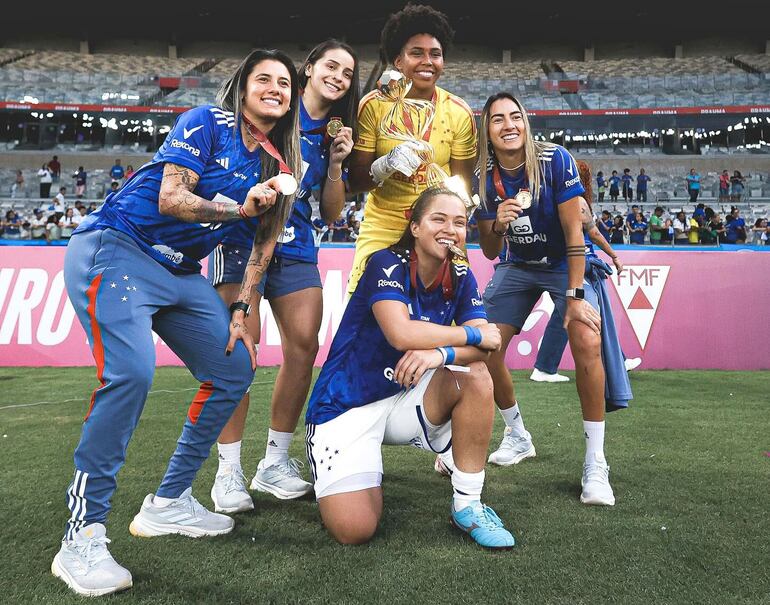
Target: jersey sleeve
[191,140]
[385,278]
[566,179]
[469,302]
[367,124]
[464,139]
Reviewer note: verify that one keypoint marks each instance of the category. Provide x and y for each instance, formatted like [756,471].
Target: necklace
[511,169]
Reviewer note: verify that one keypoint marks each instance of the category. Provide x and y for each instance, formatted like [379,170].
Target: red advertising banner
[675,310]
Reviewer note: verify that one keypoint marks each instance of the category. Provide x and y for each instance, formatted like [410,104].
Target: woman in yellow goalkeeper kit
[414,40]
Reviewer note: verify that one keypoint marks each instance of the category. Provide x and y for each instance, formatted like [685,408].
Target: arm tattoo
[256,266]
[177,199]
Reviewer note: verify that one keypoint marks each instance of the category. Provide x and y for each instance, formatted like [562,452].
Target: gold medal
[524,198]
[333,127]
[458,252]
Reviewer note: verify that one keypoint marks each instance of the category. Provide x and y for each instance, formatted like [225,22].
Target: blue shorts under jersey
[205,141]
[536,237]
[359,369]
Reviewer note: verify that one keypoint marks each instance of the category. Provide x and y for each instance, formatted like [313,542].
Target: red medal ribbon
[262,139]
[444,277]
[498,181]
[410,124]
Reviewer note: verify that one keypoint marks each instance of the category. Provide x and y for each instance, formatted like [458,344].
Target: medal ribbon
[410,125]
[444,277]
[498,181]
[262,139]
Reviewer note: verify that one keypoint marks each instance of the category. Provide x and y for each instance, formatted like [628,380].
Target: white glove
[402,158]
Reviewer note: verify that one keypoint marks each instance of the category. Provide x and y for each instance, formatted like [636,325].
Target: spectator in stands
[340,230]
[618,231]
[699,213]
[11,226]
[116,172]
[724,187]
[46,179]
[600,186]
[695,225]
[716,231]
[58,204]
[355,226]
[58,200]
[129,171]
[320,230]
[614,186]
[18,188]
[114,186]
[605,224]
[657,226]
[638,229]
[681,229]
[91,207]
[81,178]
[631,216]
[52,230]
[628,190]
[760,232]
[737,184]
[736,227]
[68,223]
[81,214]
[693,185]
[37,224]
[641,186]
[55,167]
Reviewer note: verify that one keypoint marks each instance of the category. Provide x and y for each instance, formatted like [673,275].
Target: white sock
[594,432]
[513,419]
[277,449]
[229,455]
[467,488]
[161,502]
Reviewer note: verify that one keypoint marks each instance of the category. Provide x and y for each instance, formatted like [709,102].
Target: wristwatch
[240,306]
[577,293]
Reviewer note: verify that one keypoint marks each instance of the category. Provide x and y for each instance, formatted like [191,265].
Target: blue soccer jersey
[296,242]
[203,140]
[536,237]
[359,369]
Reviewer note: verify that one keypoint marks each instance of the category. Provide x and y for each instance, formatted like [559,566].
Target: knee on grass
[355,529]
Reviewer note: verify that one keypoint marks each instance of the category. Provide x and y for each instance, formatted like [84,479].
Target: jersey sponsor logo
[390,283]
[389,271]
[188,133]
[388,373]
[287,235]
[171,254]
[522,226]
[223,162]
[240,175]
[186,146]
[640,288]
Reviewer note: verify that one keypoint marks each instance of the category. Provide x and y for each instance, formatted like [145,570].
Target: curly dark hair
[410,21]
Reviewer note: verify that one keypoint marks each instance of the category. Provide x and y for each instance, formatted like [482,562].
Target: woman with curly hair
[415,41]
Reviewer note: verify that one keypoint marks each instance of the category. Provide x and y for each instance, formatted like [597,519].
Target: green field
[690,467]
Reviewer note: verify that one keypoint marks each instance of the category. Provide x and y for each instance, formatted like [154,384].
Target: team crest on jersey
[287,235]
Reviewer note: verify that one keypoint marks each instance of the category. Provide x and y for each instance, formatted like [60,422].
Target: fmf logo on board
[640,288]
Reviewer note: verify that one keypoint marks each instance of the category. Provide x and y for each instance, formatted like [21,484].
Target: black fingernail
[227,353]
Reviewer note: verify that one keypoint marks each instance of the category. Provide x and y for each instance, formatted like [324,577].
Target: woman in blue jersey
[531,219]
[132,267]
[385,383]
[328,82]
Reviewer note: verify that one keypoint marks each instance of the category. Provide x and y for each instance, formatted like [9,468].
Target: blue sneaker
[483,525]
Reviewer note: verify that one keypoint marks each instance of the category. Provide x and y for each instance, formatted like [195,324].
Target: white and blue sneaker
[229,492]
[184,515]
[282,479]
[513,448]
[87,567]
[483,525]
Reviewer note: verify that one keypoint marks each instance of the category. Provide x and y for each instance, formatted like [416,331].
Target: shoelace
[596,471]
[94,550]
[489,518]
[195,508]
[511,440]
[236,482]
[292,466]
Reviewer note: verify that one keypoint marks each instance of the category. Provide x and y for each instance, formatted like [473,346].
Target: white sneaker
[283,479]
[596,483]
[442,467]
[539,376]
[229,492]
[87,567]
[513,449]
[632,363]
[185,516]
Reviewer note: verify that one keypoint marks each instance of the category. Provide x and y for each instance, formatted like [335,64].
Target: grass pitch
[690,467]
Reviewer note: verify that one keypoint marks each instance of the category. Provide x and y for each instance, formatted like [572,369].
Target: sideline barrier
[674,309]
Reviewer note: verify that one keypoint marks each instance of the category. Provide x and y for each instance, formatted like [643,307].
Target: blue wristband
[450,355]
[473,335]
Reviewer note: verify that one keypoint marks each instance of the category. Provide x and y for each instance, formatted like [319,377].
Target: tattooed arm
[178,200]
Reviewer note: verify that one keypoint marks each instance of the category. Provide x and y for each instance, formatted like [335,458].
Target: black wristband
[240,306]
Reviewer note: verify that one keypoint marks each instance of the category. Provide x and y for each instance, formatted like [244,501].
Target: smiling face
[331,75]
[422,61]
[442,225]
[268,91]
[506,128]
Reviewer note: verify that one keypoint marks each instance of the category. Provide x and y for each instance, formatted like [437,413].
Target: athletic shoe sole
[58,570]
[595,501]
[142,528]
[279,493]
[462,529]
[530,453]
[246,506]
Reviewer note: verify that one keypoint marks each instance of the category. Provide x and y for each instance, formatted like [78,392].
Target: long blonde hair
[284,135]
[533,164]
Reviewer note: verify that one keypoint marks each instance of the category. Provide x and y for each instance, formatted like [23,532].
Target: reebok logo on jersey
[389,271]
[392,283]
[186,146]
[223,162]
[571,182]
[476,302]
[187,133]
